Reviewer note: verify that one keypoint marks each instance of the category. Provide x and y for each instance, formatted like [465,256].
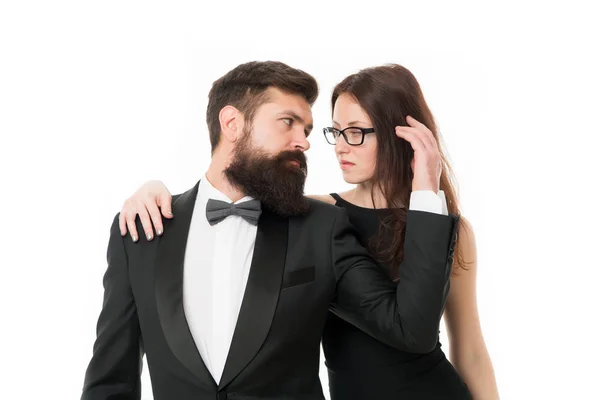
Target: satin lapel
[261,295]
[169,286]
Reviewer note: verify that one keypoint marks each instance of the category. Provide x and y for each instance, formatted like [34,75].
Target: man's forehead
[281,102]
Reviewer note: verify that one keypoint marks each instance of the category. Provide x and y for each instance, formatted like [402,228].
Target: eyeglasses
[353,135]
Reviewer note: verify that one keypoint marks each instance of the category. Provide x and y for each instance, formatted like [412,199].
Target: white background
[97,97]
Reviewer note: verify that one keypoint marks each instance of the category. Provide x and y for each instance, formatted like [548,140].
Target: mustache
[293,155]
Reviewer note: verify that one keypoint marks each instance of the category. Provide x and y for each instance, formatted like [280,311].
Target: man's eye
[288,121]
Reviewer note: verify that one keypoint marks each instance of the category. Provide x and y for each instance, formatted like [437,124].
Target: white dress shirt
[427,200]
[215,273]
[216,268]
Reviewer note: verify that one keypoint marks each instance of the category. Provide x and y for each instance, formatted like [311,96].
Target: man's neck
[216,177]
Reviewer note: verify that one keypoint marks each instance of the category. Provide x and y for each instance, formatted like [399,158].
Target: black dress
[362,368]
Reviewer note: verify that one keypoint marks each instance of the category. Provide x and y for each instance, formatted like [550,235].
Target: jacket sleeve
[405,315]
[115,368]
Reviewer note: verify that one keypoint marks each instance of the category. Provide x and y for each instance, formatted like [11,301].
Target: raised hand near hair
[145,202]
[427,163]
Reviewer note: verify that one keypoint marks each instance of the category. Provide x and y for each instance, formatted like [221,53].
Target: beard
[277,181]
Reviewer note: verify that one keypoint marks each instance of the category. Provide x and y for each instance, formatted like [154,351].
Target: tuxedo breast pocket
[298,276]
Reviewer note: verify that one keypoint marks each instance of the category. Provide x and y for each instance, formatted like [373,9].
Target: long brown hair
[388,94]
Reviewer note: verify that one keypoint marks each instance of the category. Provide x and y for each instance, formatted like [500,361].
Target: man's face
[269,162]
[282,124]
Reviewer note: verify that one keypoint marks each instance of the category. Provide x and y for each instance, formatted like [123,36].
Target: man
[231,303]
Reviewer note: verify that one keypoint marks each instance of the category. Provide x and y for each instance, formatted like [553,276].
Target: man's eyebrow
[296,117]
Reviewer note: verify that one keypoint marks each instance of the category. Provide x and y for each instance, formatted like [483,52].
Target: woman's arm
[153,199]
[468,352]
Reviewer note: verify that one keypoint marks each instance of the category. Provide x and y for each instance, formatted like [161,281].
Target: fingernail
[135,239]
[170,213]
[159,232]
[149,237]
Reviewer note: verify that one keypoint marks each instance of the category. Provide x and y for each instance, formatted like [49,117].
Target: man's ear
[232,123]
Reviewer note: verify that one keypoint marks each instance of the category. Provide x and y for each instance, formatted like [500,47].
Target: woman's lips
[346,165]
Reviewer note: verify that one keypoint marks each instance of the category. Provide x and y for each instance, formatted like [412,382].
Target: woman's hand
[427,163]
[145,202]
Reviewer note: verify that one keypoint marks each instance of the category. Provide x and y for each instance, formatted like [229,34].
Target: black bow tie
[217,211]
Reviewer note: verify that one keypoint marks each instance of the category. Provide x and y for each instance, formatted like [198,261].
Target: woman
[367,106]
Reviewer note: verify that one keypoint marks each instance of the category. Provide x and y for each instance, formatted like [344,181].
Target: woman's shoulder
[331,198]
[326,198]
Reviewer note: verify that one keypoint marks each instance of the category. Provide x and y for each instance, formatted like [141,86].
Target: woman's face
[357,162]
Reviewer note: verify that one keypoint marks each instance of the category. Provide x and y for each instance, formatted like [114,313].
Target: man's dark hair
[245,88]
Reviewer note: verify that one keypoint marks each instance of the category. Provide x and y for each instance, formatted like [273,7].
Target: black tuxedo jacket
[302,268]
